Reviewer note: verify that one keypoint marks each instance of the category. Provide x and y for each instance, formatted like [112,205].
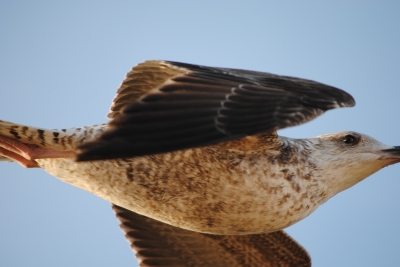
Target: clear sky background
[61,63]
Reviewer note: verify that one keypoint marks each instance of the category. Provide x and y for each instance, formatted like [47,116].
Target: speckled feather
[57,139]
[175,187]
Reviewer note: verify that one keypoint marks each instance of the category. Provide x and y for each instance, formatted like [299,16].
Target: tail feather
[58,139]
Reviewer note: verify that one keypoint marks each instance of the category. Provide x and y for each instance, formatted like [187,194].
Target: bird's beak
[391,153]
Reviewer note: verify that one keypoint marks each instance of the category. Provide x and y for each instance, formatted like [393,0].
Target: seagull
[193,152]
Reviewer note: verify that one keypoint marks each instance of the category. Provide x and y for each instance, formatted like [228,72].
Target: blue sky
[61,63]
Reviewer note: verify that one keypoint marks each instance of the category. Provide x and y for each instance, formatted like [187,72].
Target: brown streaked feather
[160,244]
[139,81]
[56,139]
[164,106]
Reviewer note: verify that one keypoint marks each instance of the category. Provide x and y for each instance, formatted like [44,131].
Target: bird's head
[348,157]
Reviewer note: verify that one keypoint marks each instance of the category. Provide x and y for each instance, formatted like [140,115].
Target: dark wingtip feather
[349,101]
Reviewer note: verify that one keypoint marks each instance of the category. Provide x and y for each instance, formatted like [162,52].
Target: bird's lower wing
[160,244]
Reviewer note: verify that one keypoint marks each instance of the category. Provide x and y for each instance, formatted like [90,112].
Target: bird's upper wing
[160,244]
[163,106]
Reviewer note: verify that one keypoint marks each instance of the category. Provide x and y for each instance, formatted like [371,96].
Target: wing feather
[162,102]
[159,244]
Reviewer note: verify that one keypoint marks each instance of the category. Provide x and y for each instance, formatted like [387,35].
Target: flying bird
[195,150]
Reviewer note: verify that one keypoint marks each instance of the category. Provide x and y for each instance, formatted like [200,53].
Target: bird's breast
[205,190]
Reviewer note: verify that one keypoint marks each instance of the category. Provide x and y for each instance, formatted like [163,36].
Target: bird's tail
[57,139]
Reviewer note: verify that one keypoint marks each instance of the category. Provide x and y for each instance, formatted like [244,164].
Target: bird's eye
[349,139]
